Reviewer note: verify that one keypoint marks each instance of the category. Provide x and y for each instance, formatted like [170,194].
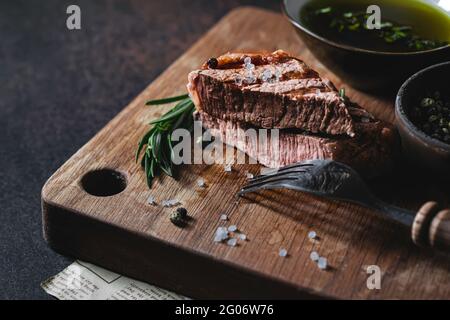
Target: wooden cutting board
[125,234]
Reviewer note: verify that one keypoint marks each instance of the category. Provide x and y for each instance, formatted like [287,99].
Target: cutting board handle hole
[103,182]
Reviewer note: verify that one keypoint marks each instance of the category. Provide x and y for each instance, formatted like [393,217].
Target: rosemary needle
[166,100]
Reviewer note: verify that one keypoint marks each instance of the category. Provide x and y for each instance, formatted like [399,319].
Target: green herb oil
[407,25]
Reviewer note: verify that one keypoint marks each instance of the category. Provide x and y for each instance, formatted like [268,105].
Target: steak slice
[293,97]
[371,152]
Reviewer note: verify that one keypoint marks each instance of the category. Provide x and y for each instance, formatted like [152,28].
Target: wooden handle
[431,227]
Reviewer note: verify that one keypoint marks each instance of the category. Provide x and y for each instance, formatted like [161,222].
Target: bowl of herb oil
[368,53]
[422,114]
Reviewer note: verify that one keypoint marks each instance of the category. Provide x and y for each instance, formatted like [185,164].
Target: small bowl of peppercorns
[422,114]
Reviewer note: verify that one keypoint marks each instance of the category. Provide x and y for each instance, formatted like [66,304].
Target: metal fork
[430,226]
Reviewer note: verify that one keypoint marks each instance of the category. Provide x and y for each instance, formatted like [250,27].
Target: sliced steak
[293,97]
[371,152]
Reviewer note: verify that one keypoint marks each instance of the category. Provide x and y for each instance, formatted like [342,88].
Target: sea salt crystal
[232,242]
[151,200]
[232,228]
[238,80]
[282,253]
[267,74]
[170,203]
[278,74]
[322,263]
[227,168]
[247,60]
[312,235]
[201,183]
[250,66]
[314,256]
[243,237]
[249,175]
[249,79]
[223,217]
[199,140]
[221,234]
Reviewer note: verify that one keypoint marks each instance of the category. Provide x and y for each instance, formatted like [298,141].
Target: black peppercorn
[182,212]
[212,63]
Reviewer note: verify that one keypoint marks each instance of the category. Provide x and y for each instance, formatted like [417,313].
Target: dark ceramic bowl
[420,149]
[363,69]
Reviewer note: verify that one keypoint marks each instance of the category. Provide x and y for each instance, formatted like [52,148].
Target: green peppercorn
[427,102]
[432,115]
[433,118]
[176,219]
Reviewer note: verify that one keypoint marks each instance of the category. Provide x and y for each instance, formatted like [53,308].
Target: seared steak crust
[298,99]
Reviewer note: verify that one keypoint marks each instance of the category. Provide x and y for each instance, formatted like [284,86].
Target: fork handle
[431,227]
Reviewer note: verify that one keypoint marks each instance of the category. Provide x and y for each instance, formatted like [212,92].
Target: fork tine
[269,181]
[276,174]
[270,185]
[288,167]
[295,165]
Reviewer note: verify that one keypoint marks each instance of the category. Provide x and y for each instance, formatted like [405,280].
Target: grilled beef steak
[273,91]
[370,152]
[233,95]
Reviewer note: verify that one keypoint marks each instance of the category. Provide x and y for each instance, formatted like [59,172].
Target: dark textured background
[59,87]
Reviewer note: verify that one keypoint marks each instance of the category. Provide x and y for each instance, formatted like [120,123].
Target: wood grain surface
[129,236]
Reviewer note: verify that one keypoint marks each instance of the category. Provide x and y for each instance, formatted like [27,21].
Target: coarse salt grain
[282,253]
[238,80]
[170,203]
[249,175]
[312,235]
[267,74]
[278,74]
[151,200]
[243,237]
[227,168]
[250,79]
[322,263]
[201,183]
[314,256]
[232,242]
[247,60]
[232,228]
[223,217]
[221,234]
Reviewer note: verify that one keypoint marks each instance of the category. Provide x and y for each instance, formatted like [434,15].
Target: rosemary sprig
[157,142]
